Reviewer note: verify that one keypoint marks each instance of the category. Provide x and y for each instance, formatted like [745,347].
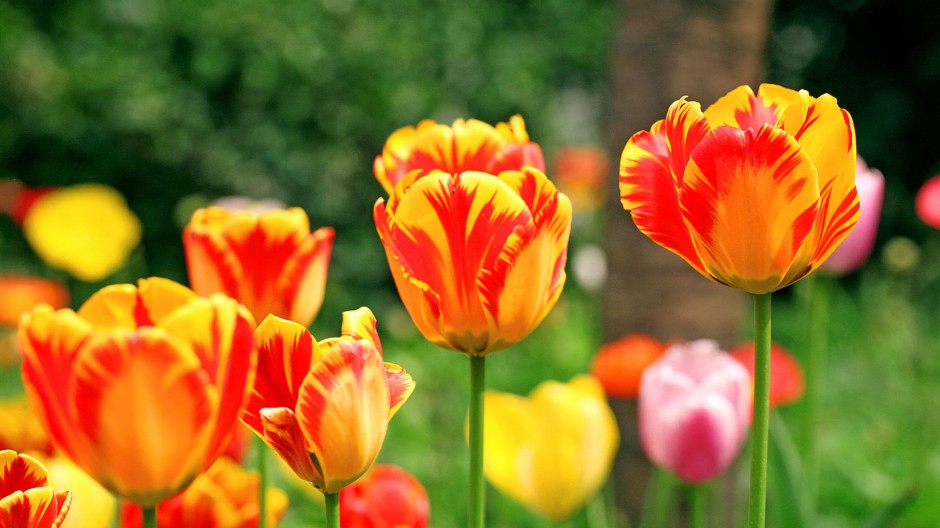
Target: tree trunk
[665,49]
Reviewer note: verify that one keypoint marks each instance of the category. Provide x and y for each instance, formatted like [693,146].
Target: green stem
[150,517]
[758,499]
[477,384]
[818,314]
[331,502]
[261,453]
[697,506]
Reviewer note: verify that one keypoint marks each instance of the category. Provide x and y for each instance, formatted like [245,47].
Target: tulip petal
[286,351]
[219,331]
[128,390]
[49,341]
[64,503]
[650,176]
[36,507]
[282,432]
[465,146]
[303,279]
[21,472]
[212,267]
[749,199]
[361,324]
[741,108]
[510,429]
[400,387]
[128,307]
[705,440]
[343,411]
[390,167]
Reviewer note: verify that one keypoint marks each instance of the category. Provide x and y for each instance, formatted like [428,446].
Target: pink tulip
[694,410]
[856,248]
[927,202]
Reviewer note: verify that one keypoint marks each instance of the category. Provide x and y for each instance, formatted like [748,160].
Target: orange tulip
[21,293]
[27,499]
[268,261]
[786,375]
[755,192]
[226,496]
[478,259]
[324,407]
[22,431]
[465,146]
[142,387]
[619,365]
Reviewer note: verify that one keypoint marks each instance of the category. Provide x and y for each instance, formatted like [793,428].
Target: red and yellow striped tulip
[478,259]
[324,407]
[226,496]
[755,192]
[465,146]
[142,387]
[270,261]
[27,499]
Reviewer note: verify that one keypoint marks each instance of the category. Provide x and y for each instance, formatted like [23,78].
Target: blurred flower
[226,496]
[244,204]
[20,293]
[478,259]
[927,202]
[465,146]
[16,199]
[856,248]
[619,365]
[324,407]
[142,387]
[86,230]
[901,254]
[786,375]
[754,193]
[270,262]
[553,450]
[22,431]
[92,505]
[694,410]
[28,499]
[589,267]
[581,173]
[385,497]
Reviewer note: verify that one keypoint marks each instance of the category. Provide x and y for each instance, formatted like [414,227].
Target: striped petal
[49,341]
[361,324]
[141,400]
[128,307]
[286,351]
[33,508]
[302,282]
[749,198]
[444,231]
[282,432]
[343,412]
[20,473]
[650,175]
[742,108]
[211,266]
[219,331]
[400,387]
[464,146]
[389,168]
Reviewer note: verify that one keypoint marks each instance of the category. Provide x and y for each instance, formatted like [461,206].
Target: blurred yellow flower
[86,230]
[553,450]
[22,430]
[92,505]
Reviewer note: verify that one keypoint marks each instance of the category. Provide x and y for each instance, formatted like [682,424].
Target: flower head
[694,410]
[385,497]
[553,450]
[786,375]
[86,230]
[755,192]
[619,365]
[927,202]
[27,498]
[269,261]
[324,407]
[140,376]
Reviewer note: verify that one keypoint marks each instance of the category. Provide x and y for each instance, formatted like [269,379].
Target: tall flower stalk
[755,192]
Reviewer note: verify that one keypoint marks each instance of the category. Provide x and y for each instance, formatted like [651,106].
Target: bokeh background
[178,102]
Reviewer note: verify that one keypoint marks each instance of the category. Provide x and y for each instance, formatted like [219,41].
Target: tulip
[28,498]
[581,173]
[553,450]
[927,202]
[694,410]
[754,193]
[270,261]
[324,407]
[478,259]
[619,365]
[20,293]
[22,431]
[86,230]
[142,387]
[385,497]
[786,375]
[16,199]
[465,146]
[856,248]
[226,496]
[92,506]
